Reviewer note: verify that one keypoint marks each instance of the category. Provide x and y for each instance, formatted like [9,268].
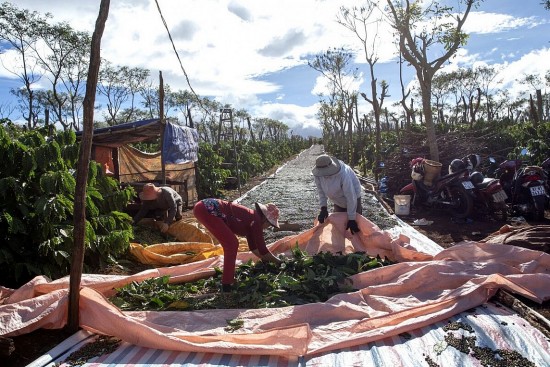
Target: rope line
[179,60]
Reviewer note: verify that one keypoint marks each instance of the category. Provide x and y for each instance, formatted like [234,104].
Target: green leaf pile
[299,279]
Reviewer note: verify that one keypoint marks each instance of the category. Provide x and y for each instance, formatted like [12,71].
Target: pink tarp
[420,290]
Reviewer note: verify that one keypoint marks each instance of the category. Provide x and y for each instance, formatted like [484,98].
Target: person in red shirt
[226,220]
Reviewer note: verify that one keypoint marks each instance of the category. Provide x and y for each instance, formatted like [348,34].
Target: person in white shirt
[336,181]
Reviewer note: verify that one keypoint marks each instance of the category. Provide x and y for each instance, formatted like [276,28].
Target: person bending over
[336,181]
[226,220]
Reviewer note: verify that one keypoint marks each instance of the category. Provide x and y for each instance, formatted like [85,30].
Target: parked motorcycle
[546,168]
[505,173]
[452,192]
[526,187]
[529,195]
[490,197]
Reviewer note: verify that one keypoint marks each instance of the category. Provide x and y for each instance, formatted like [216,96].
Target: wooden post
[163,127]
[79,234]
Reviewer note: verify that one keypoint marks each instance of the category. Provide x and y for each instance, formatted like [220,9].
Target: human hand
[163,227]
[352,226]
[323,214]
[270,257]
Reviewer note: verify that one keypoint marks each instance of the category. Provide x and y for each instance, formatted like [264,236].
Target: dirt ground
[447,231]
[292,189]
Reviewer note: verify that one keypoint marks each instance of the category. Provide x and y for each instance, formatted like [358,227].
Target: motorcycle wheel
[538,210]
[500,212]
[462,202]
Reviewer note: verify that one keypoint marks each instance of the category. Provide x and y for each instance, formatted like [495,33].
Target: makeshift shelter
[174,165]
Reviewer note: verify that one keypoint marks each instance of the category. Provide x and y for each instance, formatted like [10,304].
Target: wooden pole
[79,234]
[163,127]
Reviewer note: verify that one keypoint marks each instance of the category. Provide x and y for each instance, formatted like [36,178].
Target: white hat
[326,165]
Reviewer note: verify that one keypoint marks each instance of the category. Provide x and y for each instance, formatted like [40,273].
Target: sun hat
[325,165]
[270,212]
[150,192]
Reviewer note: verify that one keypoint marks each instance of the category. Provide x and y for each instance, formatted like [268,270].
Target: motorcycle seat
[486,182]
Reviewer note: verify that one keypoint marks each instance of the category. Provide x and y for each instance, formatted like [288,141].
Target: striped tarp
[494,326]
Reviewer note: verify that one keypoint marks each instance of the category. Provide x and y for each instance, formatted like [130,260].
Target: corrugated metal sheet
[493,325]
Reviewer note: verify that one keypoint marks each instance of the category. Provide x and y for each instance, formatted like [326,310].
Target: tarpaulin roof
[130,132]
[180,142]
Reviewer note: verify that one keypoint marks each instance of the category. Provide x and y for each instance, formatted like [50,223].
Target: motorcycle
[546,168]
[505,173]
[529,194]
[452,192]
[490,197]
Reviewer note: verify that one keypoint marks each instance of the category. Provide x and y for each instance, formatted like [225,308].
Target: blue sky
[253,54]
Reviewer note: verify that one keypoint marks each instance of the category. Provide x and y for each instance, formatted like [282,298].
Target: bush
[37,186]
[253,159]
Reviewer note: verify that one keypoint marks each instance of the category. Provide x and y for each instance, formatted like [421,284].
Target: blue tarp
[181,144]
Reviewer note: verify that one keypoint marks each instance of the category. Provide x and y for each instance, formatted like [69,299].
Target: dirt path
[293,190]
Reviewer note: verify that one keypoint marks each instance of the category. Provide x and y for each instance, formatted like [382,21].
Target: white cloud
[485,22]
[227,47]
[534,63]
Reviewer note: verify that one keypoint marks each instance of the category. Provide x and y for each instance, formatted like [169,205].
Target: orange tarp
[419,290]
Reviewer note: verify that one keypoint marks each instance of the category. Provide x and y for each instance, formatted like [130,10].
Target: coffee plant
[252,159]
[37,185]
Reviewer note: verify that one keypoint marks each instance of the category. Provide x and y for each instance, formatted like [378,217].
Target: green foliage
[300,279]
[254,158]
[535,139]
[211,177]
[37,187]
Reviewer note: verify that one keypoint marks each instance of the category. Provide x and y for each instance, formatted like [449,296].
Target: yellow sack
[183,230]
[188,231]
[196,244]
[174,253]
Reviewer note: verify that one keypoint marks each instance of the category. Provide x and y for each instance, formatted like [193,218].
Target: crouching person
[165,202]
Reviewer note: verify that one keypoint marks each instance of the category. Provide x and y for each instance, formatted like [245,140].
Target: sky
[253,54]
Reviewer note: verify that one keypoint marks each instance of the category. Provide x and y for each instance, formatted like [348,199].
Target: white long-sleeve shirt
[342,188]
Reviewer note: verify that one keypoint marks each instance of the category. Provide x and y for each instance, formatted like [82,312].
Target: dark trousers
[339,209]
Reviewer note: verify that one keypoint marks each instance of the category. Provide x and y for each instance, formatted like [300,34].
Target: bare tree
[6,109]
[535,82]
[359,21]
[121,85]
[441,86]
[419,30]
[471,94]
[409,110]
[183,102]
[335,66]
[20,29]
[60,47]
[487,78]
